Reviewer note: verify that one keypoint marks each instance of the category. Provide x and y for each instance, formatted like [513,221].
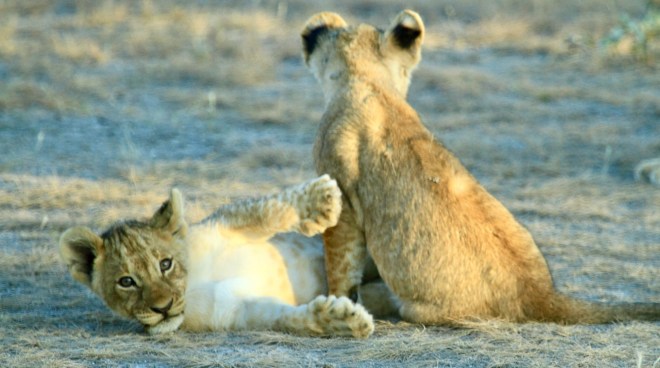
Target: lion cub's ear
[169,216]
[405,34]
[316,26]
[79,247]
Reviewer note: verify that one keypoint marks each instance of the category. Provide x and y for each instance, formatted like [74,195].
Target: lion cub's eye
[165,264]
[126,282]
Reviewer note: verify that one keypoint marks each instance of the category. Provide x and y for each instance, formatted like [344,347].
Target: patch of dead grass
[50,201]
[103,14]
[8,46]
[462,82]
[578,197]
[27,94]
[80,50]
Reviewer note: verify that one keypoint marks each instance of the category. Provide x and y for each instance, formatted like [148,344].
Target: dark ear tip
[316,26]
[407,29]
[405,37]
[311,38]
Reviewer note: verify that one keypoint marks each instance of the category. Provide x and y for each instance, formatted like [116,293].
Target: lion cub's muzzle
[163,310]
[160,312]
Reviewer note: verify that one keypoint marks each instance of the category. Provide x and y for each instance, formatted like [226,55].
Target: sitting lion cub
[444,246]
[223,273]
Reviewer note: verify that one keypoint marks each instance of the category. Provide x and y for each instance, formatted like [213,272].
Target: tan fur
[446,248]
[229,272]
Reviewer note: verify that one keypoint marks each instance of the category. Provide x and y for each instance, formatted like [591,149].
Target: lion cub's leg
[323,316]
[308,208]
[225,306]
[425,313]
[345,256]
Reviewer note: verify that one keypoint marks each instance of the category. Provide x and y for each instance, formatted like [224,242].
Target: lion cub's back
[424,214]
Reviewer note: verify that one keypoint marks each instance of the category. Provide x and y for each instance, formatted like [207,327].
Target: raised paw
[339,317]
[319,205]
[649,170]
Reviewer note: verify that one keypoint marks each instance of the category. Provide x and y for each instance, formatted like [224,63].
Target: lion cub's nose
[163,310]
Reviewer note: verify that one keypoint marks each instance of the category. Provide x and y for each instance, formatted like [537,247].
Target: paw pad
[340,316]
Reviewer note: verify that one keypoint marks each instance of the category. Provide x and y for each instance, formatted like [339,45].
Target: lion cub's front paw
[319,206]
[340,317]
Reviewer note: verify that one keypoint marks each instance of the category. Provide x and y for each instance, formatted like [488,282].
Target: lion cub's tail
[565,310]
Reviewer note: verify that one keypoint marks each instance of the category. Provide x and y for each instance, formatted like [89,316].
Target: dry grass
[105,105]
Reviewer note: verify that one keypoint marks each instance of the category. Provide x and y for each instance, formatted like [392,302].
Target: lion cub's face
[336,52]
[137,268]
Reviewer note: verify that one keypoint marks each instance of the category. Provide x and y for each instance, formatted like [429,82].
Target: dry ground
[105,105]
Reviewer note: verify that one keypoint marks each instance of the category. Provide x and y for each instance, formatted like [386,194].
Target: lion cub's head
[137,268]
[335,51]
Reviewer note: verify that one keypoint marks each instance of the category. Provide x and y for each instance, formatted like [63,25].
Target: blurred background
[213,94]
[105,105]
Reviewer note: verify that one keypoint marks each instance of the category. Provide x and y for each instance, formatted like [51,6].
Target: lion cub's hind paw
[340,317]
[320,206]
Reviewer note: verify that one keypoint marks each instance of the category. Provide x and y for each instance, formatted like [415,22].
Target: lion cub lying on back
[223,273]
[445,247]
